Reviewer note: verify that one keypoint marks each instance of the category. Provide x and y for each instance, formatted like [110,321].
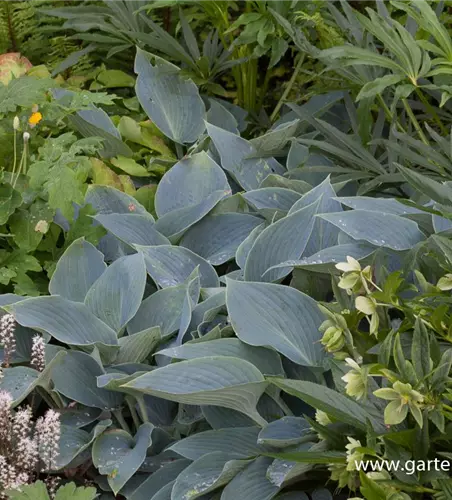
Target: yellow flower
[34,119]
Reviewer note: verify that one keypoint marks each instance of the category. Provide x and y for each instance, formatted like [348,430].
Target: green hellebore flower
[445,283]
[403,398]
[356,379]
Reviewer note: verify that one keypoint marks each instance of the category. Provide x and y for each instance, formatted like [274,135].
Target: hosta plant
[188,355]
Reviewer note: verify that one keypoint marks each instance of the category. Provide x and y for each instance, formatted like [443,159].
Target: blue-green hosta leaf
[276,198]
[277,244]
[332,402]
[276,138]
[132,229]
[239,441]
[173,103]
[208,309]
[325,260]
[165,492]
[119,455]
[217,237]
[218,115]
[266,360]
[96,123]
[76,378]
[116,296]
[175,223]
[84,264]
[379,229]
[74,441]
[234,153]
[69,322]
[216,380]
[109,200]
[189,182]
[245,247]
[323,235]
[137,347]
[206,474]
[171,265]
[386,205]
[163,309]
[265,314]
[187,192]
[251,483]
[441,224]
[19,381]
[286,431]
[158,480]
[223,418]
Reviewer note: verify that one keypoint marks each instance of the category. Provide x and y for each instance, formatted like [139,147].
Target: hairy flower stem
[288,88]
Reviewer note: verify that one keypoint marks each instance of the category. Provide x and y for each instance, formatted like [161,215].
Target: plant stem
[389,115]
[414,121]
[263,89]
[15,153]
[45,397]
[432,111]
[119,417]
[288,88]
[143,409]
[179,151]
[131,404]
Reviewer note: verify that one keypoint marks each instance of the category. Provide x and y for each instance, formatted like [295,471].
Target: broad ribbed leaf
[108,200]
[171,265]
[217,380]
[217,237]
[163,309]
[379,229]
[386,205]
[235,155]
[83,263]
[323,235]
[264,314]
[277,244]
[171,102]
[74,441]
[137,347]
[189,182]
[239,441]
[267,361]
[206,474]
[119,455]
[96,123]
[76,378]
[175,223]
[158,480]
[69,322]
[283,432]
[332,402]
[116,296]
[19,381]
[245,247]
[132,229]
[272,197]
[325,260]
[251,483]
